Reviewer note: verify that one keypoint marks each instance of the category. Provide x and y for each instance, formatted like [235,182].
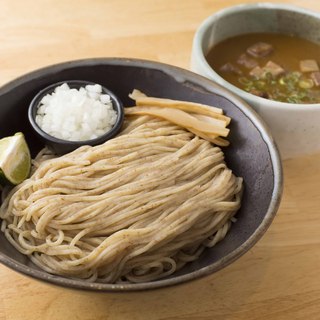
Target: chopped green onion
[282,81]
[306,84]
[260,84]
[244,81]
[292,87]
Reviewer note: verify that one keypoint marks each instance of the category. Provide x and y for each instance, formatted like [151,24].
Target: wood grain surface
[278,279]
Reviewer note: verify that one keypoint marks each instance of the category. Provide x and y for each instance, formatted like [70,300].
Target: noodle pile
[136,208]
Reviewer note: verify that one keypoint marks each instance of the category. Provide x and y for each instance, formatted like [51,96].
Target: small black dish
[60,146]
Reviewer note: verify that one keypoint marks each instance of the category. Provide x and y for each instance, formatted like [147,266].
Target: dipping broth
[273,66]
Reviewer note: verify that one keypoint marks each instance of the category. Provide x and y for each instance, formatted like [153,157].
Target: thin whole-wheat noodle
[135,208]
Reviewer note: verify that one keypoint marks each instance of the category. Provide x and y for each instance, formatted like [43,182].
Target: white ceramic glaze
[296,128]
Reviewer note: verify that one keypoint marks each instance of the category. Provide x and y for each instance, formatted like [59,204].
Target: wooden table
[278,279]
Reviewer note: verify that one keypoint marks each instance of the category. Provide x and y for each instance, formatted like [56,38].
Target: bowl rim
[36,101]
[181,75]
[198,54]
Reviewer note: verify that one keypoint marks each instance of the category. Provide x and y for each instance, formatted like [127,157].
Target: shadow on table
[220,296]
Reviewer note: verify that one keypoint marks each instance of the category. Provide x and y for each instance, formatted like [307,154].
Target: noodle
[136,208]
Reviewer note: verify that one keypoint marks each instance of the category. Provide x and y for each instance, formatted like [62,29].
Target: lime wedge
[15,159]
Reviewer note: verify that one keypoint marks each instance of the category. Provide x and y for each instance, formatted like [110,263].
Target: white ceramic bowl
[295,127]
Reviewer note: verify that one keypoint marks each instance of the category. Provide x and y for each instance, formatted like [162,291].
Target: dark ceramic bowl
[61,146]
[251,155]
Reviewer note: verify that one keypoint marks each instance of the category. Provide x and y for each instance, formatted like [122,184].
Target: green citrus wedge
[15,159]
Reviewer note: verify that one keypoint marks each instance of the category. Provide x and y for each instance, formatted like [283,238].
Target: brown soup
[270,65]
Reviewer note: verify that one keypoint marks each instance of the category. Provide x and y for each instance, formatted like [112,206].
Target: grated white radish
[76,115]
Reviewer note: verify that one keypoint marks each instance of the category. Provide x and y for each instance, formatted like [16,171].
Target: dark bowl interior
[252,153]
[61,146]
